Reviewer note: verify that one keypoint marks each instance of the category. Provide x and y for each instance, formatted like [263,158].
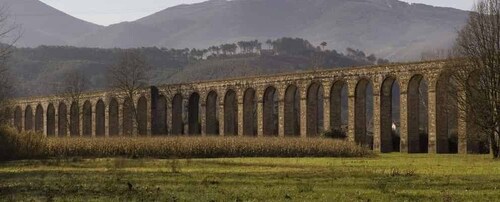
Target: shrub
[202,147]
[21,145]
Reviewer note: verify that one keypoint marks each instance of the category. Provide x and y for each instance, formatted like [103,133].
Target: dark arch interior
[51,121]
[62,120]
[114,120]
[74,128]
[28,119]
[477,142]
[230,114]
[128,117]
[142,116]
[292,111]
[177,119]
[212,121]
[39,119]
[389,116]
[87,119]
[194,125]
[315,110]
[100,119]
[339,109]
[418,132]
[446,116]
[18,119]
[250,113]
[363,113]
[161,116]
[270,112]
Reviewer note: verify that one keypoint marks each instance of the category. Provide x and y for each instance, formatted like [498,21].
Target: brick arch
[113,117]
[194,123]
[230,113]
[87,119]
[363,92]
[270,111]
[177,115]
[389,100]
[18,118]
[417,120]
[315,107]
[100,119]
[212,121]
[39,122]
[339,106]
[62,120]
[292,111]
[142,116]
[28,118]
[250,113]
[51,120]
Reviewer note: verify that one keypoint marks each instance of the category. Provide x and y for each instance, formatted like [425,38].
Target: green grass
[390,177]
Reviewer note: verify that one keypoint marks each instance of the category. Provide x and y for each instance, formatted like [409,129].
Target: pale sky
[106,12]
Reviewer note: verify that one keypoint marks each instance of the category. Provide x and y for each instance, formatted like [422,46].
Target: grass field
[389,177]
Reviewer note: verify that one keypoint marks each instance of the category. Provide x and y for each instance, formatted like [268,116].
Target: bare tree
[477,74]
[9,34]
[74,84]
[129,76]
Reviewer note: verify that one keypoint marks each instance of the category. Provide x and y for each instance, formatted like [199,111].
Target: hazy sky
[105,12]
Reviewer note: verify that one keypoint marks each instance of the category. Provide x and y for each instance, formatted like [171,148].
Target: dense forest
[40,71]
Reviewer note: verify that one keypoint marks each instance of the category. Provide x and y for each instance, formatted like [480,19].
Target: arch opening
[339,110]
[161,116]
[418,131]
[74,119]
[231,114]
[87,119]
[315,108]
[114,119]
[177,119]
[477,141]
[194,125]
[62,120]
[363,113]
[39,119]
[250,113]
[292,111]
[128,117]
[212,121]
[18,119]
[100,119]
[51,121]
[390,137]
[28,119]
[142,116]
[270,112]
[446,115]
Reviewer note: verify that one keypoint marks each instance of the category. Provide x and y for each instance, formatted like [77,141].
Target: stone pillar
[120,119]
[150,108]
[240,114]
[462,124]
[203,114]
[326,112]
[44,120]
[106,120]
[169,115]
[351,111]
[185,113]
[94,118]
[56,121]
[23,118]
[260,116]
[303,114]
[222,129]
[281,116]
[432,118]
[403,106]
[377,137]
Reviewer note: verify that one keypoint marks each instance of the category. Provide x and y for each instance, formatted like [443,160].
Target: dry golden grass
[202,147]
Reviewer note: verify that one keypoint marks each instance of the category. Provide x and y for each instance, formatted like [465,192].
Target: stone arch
[39,119]
[231,113]
[363,107]
[418,135]
[18,119]
[194,126]
[389,115]
[142,116]
[270,111]
[315,109]
[446,115]
[62,120]
[128,117]
[249,113]
[100,119]
[292,111]
[74,119]
[114,118]
[339,107]
[161,116]
[87,119]
[212,121]
[177,119]
[28,118]
[51,121]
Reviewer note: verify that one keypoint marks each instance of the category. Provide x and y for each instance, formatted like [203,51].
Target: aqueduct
[363,102]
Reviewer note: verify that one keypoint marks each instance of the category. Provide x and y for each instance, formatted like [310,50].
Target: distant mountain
[389,28]
[41,24]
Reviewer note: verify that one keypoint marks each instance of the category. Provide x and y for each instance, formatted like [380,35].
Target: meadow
[388,177]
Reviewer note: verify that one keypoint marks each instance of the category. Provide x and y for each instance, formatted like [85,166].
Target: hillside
[40,24]
[389,28]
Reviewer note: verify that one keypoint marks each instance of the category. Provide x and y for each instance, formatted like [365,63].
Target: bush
[202,147]
[24,145]
[335,134]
